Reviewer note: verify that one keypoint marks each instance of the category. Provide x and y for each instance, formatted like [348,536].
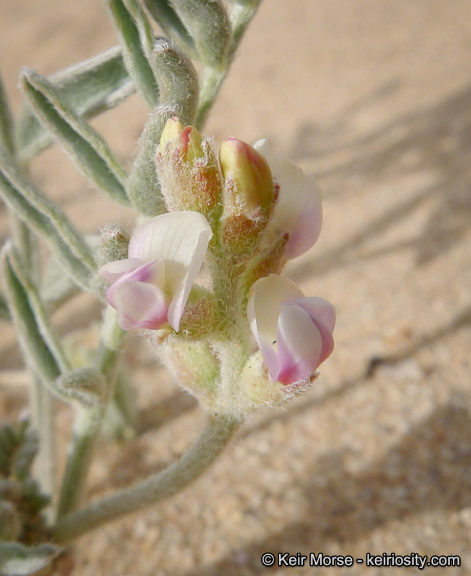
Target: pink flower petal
[264,301]
[299,344]
[140,305]
[180,240]
[111,271]
[322,313]
[298,210]
[294,333]
[147,272]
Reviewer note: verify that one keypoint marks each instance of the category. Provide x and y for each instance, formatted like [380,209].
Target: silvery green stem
[241,15]
[176,76]
[210,85]
[199,457]
[42,420]
[213,77]
[88,421]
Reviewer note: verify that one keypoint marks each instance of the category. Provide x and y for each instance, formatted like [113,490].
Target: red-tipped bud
[248,178]
[188,170]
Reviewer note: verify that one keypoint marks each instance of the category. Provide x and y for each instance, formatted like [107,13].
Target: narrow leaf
[208,23]
[89,88]
[85,386]
[165,15]
[84,145]
[177,76]
[44,217]
[19,560]
[144,29]
[6,123]
[4,312]
[35,349]
[134,53]
[41,317]
[143,184]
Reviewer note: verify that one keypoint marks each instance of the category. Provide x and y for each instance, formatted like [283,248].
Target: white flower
[294,333]
[298,209]
[151,287]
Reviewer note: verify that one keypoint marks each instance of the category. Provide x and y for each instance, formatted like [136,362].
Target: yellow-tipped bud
[188,170]
[248,178]
[182,142]
[173,129]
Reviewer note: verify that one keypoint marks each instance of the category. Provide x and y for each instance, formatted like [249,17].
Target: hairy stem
[199,457]
[211,82]
[89,419]
[214,77]
[42,420]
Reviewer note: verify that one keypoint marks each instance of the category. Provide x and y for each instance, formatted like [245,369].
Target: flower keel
[294,333]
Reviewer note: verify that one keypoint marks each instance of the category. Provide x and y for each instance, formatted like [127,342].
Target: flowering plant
[244,213]
[200,275]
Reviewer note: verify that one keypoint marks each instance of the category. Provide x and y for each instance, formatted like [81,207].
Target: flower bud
[188,170]
[172,130]
[193,365]
[113,244]
[248,178]
[249,194]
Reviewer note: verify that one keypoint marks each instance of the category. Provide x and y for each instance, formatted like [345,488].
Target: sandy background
[374,98]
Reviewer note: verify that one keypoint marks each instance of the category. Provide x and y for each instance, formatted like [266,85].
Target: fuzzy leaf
[208,23]
[143,184]
[176,76]
[86,386]
[89,88]
[10,524]
[19,560]
[4,312]
[134,37]
[164,14]
[144,29]
[34,347]
[6,123]
[44,217]
[25,453]
[8,443]
[41,317]
[84,145]
[178,80]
